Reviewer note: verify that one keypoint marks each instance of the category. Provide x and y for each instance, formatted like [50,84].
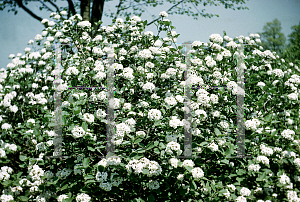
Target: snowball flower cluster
[252,124]
[216,38]
[163,14]
[288,134]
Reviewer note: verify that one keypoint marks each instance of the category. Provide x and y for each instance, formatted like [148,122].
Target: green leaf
[151,198]
[23,198]
[91,148]
[138,140]
[150,146]
[157,123]
[84,126]
[156,143]
[64,187]
[189,168]
[85,162]
[156,150]
[217,131]
[193,185]
[23,158]
[162,146]
[76,110]
[268,117]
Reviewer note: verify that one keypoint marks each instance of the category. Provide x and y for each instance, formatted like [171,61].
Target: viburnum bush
[149,118]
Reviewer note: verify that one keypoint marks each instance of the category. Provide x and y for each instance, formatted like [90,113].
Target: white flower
[163,14]
[174,162]
[51,23]
[263,159]
[241,199]
[63,13]
[245,191]
[62,197]
[84,24]
[154,114]
[188,163]
[38,37]
[83,198]
[293,96]
[6,126]
[180,177]
[78,132]
[213,146]
[197,173]
[288,134]
[56,17]
[216,38]
[88,117]
[284,179]
[231,187]
[44,21]
[6,198]
[261,84]
[227,194]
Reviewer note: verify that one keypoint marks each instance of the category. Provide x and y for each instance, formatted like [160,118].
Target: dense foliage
[149,117]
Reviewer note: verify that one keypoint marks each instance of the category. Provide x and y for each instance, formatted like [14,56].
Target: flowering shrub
[149,116]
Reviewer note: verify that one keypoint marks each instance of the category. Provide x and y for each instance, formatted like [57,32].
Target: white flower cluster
[254,167]
[231,44]
[284,179]
[245,191]
[154,114]
[72,70]
[152,167]
[288,134]
[163,14]
[84,24]
[78,131]
[148,86]
[35,172]
[216,38]
[145,54]
[5,173]
[197,173]
[210,61]
[293,96]
[83,198]
[88,117]
[62,197]
[266,150]
[278,72]
[173,146]
[263,159]
[188,163]
[174,162]
[252,124]
[292,196]
[214,147]
[6,198]
[175,122]
[202,97]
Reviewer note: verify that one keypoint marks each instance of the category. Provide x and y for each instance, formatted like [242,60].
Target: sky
[17,30]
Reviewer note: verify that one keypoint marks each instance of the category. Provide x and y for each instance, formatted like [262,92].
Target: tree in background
[93,10]
[292,51]
[272,38]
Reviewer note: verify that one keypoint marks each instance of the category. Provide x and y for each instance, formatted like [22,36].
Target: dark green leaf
[151,198]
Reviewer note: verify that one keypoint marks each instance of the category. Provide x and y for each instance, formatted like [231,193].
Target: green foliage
[292,51]
[272,38]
